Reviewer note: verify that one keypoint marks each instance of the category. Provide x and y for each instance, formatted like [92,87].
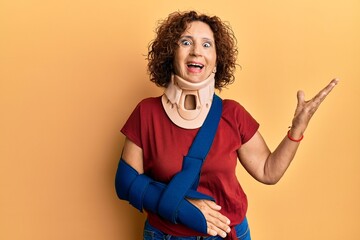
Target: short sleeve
[132,127]
[241,120]
[248,127]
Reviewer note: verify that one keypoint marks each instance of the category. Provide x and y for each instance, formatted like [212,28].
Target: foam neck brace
[175,95]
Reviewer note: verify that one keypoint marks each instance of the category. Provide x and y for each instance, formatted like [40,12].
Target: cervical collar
[174,97]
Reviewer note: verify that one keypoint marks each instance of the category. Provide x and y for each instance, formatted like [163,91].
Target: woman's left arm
[268,167]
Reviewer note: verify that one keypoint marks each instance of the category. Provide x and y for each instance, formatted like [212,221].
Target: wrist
[295,135]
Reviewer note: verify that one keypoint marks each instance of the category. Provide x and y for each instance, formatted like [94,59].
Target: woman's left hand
[306,109]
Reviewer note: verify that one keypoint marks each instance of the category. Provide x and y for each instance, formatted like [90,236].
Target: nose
[196,50]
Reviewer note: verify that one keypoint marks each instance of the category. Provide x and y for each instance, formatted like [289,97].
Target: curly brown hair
[162,48]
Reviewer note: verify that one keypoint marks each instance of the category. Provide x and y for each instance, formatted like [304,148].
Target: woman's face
[195,58]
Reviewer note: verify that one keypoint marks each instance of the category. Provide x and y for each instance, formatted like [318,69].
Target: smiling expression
[195,58]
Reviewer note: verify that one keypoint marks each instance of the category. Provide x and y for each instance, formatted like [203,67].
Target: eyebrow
[191,37]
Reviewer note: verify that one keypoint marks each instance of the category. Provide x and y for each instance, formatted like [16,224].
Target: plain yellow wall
[71,72]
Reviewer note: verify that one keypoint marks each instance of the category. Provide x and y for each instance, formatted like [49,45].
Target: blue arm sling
[169,200]
[189,176]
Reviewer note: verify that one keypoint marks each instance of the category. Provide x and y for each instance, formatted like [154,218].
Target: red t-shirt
[164,145]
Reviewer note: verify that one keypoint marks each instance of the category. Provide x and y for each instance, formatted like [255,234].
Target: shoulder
[138,120]
[240,119]
[232,105]
[144,107]
[149,104]
[150,101]
[235,112]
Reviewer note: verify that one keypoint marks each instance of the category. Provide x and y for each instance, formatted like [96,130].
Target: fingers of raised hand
[325,91]
[315,102]
[300,96]
[300,102]
[309,107]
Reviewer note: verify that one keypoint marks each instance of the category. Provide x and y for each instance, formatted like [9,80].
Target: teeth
[196,65]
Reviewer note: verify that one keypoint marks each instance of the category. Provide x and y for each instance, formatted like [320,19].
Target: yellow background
[71,72]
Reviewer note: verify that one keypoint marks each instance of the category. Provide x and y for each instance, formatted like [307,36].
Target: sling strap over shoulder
[189,177]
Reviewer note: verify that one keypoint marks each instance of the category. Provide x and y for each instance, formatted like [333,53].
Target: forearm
[268,167]
[143,192]
[279,160]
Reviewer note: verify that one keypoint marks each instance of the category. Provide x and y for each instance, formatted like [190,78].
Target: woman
[191,56]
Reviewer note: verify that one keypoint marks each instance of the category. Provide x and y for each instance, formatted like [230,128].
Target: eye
[207,45]
[185,42]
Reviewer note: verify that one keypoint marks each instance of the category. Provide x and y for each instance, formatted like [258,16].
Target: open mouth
[195,65]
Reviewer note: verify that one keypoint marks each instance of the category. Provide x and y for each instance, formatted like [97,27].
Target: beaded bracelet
[293,139]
